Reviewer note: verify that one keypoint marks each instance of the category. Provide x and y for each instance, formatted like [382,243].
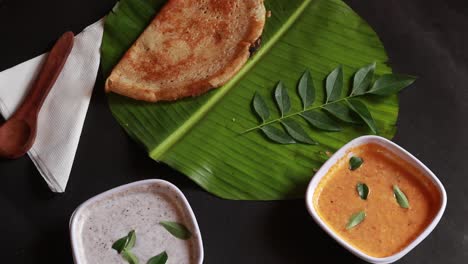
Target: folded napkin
[62,116]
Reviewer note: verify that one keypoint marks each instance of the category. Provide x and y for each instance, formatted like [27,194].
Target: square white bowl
[160,185]
[403,154]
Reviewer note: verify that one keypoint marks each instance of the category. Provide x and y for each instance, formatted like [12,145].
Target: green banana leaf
[201,137]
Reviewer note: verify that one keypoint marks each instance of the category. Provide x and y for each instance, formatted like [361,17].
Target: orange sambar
[387,228]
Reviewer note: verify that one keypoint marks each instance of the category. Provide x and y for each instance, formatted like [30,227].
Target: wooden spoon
[18,133]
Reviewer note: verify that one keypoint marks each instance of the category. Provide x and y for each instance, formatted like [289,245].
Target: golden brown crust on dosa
[190,47]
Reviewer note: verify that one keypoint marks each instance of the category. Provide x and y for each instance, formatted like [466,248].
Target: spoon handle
[49,73]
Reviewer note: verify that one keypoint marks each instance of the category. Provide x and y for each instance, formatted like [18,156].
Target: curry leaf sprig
[327,115]
[124,245]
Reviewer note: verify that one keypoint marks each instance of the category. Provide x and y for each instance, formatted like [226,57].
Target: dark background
[428,38]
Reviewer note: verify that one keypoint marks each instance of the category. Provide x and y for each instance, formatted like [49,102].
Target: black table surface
[427,38]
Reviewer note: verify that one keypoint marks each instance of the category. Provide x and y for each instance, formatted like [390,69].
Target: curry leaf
[306,89]
[277,135]
[347,109]
[159,259]
[363,190]
[295,130]
[363,79]
[120,244]
[401,197]
[260,107]
[361,109]
[341,111]
[129,257]
[334,84]
[391,84]
[176,229]
[356,219]
[131,240]
[355,162]
[126,242]
[282,98]
[321,120]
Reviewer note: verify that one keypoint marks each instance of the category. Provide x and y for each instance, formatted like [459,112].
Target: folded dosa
[190,47]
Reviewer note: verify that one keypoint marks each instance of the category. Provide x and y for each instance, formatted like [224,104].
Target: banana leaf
[202,137]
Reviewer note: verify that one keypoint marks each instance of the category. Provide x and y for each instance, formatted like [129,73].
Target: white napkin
[62,116]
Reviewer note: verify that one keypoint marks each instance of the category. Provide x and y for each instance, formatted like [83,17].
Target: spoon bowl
[15,135]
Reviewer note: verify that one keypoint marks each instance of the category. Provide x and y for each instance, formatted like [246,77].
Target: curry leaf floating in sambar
[363,190]
[356,219]
[199,137]
[355,162]
[401,197]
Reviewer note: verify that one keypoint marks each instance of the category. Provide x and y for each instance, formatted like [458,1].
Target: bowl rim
[74,219]
[402,153]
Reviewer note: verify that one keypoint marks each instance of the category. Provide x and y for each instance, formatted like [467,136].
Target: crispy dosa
[190,47]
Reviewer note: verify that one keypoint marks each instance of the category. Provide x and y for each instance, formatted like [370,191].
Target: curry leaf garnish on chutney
[400,197]
[120,244]
[363,190]
[355,163]
[177,229]
[356,219]
[377,225]
[125,243]
[159,259]
[130,257]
